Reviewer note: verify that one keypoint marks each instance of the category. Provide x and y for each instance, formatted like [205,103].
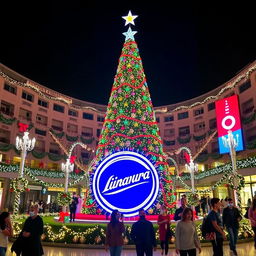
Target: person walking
[5,232]
[29,241]
[216,224]
[165,232]
[252,218]
[114,239]
[186,240]
[143,235]
[231,217]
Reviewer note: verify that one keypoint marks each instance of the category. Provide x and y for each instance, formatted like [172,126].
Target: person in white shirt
[186,240]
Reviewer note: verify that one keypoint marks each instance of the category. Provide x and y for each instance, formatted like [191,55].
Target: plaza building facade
[57,121]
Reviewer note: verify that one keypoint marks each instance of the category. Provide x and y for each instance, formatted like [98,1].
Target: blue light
[236,134]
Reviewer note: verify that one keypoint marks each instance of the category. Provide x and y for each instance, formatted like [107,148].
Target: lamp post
[66,168]
[23,144]
[231,143]
[192,167]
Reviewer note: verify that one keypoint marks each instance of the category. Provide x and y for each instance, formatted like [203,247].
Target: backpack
[206,227]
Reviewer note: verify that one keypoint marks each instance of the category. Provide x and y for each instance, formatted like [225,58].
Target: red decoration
[72,159]
[27,189]
[41,165]
[23,127]
[187,157]
[11,190]
[77,171]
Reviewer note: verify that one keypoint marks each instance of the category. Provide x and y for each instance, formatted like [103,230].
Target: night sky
[74,48]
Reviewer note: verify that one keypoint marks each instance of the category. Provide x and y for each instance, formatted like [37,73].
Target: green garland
[71,138]
[198,138]
[18,185]
[216,156]
[56,134]
[202,158]
[86,141]
[6,120]
[251,145]
[249,119]
[231,181]
[184,140]
[63,198]
[38,155]
[5,147]
[55,157]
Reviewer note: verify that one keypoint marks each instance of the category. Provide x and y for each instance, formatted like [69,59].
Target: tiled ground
[246,249]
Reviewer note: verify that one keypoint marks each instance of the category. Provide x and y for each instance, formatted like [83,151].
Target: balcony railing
[248,110]
[57,128]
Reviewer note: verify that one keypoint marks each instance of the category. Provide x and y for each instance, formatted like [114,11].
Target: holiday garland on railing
[198,138]
[5,120]
[38,155]
[184,140]
[249,119]
[86,141]
[55,157]
[202,158]
[71,138]
[251,145]
[6,147]
[57,134]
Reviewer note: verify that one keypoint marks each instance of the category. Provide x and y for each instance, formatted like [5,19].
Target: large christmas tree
[130,121]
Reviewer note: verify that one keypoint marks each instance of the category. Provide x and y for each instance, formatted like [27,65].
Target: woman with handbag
[165,232]
[186,239]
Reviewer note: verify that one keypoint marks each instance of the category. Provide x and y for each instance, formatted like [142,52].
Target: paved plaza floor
[245,249]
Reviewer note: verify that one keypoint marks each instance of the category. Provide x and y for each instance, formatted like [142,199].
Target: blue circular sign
[126,181]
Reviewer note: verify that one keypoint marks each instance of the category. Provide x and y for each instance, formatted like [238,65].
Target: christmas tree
[130,121]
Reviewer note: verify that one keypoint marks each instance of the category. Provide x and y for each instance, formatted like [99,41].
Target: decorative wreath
[236,181]
[64,199]
[19,185]
[193,199]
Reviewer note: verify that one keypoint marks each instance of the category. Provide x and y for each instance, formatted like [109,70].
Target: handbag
[210,236]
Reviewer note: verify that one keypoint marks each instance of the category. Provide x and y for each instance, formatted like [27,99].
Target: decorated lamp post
[23,144]
[67,168]
[231,143]
[192,168]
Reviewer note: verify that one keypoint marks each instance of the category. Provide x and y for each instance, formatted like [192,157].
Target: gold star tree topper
[129,19]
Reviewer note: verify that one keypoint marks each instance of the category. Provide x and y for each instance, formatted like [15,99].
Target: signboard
[126,181]
[228,119]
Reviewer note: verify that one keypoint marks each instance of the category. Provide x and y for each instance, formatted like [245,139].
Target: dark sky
[73,47]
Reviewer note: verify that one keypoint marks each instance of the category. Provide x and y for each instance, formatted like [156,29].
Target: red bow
[187,157]
[23,127]
[72,159]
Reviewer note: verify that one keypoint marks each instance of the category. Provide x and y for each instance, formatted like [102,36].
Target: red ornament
[77,171]
[23,127]
[27,189]
[11,190]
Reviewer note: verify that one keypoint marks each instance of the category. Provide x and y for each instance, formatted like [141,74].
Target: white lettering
[125,183]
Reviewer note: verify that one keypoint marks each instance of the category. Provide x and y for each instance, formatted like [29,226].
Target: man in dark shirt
[143,235]
[231,217]
[179,211]
[72,207]
[215,220]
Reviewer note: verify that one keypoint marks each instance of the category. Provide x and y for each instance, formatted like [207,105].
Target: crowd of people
[142,232]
